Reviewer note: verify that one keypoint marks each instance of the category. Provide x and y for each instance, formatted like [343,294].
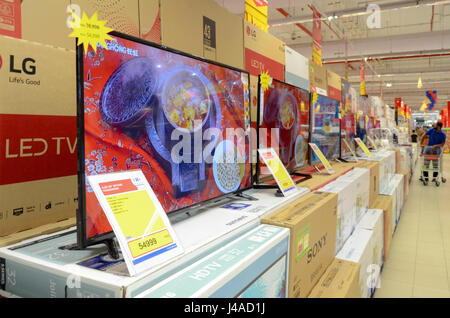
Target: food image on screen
[326,128]
[167,114]
[286,108]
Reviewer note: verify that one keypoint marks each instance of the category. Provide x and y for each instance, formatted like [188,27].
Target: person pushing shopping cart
[433,155]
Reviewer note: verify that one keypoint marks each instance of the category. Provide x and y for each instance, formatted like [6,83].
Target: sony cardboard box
[253,266]
[346,212]
[312,223]
[38,135]
[374,180]
[341,280]
[385,203]
[43,268]
[358,249]
[360,178]
[203,28]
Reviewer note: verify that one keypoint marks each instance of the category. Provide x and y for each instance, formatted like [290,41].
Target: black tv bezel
[312,113]
[82,240]
[256,178]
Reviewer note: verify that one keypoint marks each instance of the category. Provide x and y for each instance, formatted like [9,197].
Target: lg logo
[28,66]
[374,19]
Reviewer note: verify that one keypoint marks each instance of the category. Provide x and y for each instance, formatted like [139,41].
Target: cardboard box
[385,203]
[360,178]
[341,280]
[374,220]
[358,249]
[44,270]
[387,166]
[346,212]
[395,188]
[38,135]
[150,20]
[318,79]
[297,69]
[253,266]
[203,28]
[374,180]
[406,178]
[41,21]
[334,82]
[312,223]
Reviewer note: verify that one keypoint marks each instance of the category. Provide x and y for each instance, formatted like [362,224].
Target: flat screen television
[283,124]
[325,128]
[184,121]
[348,130]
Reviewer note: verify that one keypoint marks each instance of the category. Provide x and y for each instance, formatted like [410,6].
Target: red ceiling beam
[391,58]
[301,26]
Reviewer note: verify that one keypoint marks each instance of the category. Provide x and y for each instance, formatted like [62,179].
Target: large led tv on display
[283,118]
[182,120]
[326,128]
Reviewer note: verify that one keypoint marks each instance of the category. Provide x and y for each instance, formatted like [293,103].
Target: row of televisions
[145,106]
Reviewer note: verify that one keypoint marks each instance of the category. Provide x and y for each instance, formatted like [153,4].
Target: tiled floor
[418,264]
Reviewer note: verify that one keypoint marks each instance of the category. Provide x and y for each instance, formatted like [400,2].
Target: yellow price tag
[322,158]
[363,146]
[90,31]
[150,243]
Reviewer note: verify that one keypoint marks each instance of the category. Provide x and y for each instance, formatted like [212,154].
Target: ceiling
[412,40]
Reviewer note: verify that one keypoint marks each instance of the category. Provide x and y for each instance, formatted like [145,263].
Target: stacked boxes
[38,135]
[361,179]
[358,249]
[387,166]
[341,280]
[312,224]
[385,203]
[374,180]
[346,212]
[395,189]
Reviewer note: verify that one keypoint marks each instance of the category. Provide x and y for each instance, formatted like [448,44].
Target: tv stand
[245,197]
[111,245]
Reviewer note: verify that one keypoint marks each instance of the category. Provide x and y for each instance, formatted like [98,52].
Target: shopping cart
[431,169]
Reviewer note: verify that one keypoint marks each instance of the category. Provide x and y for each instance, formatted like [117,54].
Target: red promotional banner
[363,78]
[398,102]
[317,38]
[257,63]
[11,18]
[35,147]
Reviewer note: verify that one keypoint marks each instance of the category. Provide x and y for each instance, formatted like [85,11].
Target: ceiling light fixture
[389,85]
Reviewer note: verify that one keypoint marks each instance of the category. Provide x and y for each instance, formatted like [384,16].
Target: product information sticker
[279,172]
[142,228]
[363,146]
[322,158]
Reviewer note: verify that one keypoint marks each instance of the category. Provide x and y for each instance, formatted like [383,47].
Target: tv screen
[283,123]
[182,120]
[348,130]
[326,128]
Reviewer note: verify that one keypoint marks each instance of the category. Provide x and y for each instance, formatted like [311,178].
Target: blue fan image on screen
[326,128]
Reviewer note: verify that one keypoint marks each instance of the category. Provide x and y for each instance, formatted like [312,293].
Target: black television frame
[312,113]
[256,178]
[108,238]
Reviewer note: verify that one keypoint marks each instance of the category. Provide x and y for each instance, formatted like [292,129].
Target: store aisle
[418,264]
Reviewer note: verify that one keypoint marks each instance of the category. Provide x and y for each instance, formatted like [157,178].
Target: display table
[320,180]
[204,232]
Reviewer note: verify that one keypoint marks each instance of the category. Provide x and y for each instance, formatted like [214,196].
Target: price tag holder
[373,143]
[137,218]
[351,150]
[279,172]
[322,158]
[363,146]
